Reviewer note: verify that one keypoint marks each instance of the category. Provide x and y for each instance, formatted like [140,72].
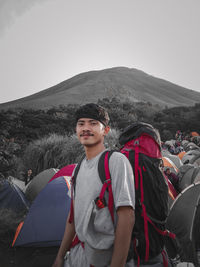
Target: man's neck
[92,152]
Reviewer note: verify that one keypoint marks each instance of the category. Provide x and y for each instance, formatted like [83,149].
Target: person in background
[29,176]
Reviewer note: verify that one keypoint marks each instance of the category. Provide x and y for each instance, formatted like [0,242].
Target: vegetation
[39,139]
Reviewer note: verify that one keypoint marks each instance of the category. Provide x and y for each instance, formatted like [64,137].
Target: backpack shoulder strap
[73,186]
[103,165]
[77,168]
[104,174]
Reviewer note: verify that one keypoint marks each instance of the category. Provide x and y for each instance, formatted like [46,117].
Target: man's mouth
[86,134]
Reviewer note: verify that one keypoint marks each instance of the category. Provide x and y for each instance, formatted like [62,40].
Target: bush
[111,140]
[57,151]
[53,151]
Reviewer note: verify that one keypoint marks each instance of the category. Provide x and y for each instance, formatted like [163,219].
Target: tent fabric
[195,158]
[194,134]
[191,146]
[11,197]
[172,194]
[181,221]
[18,182]
[175,159]
[169,164]
[190,156]
[181,154]
[188,174]
[170,142]
[184,143]
[197,162]
[38,183]
[44,225]
[65,171]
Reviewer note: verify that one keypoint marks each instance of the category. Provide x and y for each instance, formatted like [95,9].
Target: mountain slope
[120,82]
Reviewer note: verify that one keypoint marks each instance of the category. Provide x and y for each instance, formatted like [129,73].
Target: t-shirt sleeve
[122,180]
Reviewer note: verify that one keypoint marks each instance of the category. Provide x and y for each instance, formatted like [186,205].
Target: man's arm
[125,223]
[65,245]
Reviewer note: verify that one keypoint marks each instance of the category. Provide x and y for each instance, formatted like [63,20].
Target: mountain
[121,82]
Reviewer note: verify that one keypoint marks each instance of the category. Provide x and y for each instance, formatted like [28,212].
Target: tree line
[40,139]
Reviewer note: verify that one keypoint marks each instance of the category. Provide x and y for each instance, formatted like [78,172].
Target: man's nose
[86,127]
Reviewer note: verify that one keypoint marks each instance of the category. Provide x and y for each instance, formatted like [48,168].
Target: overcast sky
[44,42]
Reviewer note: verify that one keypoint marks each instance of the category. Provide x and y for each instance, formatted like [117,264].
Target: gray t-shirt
[89,185]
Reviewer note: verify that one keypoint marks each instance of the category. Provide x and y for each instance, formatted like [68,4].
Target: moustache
[86,134]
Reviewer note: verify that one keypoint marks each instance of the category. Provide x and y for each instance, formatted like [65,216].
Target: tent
[38,183]
[169,164]
[196,159]
[184,143]
[172,194]
[191,146]
[196,140]
[188,174]
[183,220]
[191,156]
[197,162]
[181,154]
[18,182]
[170,142]
[45,223]
[175,159]
[13,207]
[65,171]
[12,197]
[194,134]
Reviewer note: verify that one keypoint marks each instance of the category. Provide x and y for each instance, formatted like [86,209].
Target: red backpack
[141,145]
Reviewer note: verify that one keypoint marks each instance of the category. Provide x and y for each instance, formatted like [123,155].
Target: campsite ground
[6,257]
[23,257]
[42,257]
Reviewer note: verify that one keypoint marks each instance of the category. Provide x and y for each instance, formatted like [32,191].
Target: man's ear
[106,130]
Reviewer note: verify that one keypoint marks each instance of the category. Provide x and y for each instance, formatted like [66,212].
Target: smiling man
[91,128]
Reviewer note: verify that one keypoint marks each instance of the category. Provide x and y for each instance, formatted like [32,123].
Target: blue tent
[12,198]
[45,223]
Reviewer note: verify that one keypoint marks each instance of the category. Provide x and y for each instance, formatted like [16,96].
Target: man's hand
[125,223]
[59,262]
[69,235]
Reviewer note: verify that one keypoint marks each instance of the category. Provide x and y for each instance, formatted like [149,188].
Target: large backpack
[141,145]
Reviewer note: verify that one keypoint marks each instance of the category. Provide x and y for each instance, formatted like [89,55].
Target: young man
[91,128]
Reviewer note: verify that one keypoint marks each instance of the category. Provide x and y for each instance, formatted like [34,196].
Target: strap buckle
[108,181]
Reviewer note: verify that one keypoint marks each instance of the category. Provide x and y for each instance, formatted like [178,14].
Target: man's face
[91,132]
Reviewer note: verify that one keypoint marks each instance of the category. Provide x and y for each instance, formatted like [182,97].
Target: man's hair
[93,111]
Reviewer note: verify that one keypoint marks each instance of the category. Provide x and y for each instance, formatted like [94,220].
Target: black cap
[93,111]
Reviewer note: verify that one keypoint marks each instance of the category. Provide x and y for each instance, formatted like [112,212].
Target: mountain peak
[121,82]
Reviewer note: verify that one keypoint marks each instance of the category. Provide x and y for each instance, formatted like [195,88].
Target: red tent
[65,171]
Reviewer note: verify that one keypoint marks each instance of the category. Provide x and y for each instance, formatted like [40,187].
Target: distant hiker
[105,234]
[29,176]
